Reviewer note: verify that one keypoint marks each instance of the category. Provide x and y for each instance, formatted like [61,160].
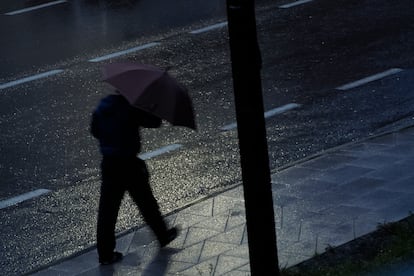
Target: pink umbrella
[153,90]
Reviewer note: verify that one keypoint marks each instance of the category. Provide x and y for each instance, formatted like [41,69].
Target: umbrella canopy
[153,90]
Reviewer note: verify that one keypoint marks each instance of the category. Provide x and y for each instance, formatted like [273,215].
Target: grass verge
[390,244]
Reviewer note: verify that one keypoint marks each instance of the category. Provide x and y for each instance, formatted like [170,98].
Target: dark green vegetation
[391,244]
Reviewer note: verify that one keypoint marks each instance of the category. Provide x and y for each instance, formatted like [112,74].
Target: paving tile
[90,257]
[407,132]
[294,214]
[405,185]
[375,161]
[308,231]
[217,223]
[141,255]
[295,175]
[141,237]
[336,235]
[211,249]
[343,174]
[290,259]
[111,270]
[227,264]
[186,220]
[361,186]
[51,272]
[404,136]
[237,273]
[310,187]
[235,218]
[312,229]
[395,212]
[327,162]
[245,268]
[390,139]
[190,254]
[170,219]
[204,208]
[123,243]
[368,222]
[162,263]
[290,232]
[307,248]
[222,204]
[408,159]
[236,192]
[284,200]
[241,251]
[245,239]
[205,268]
[159,268]
[377,199]
[364,149]
[196,235]
[278,215]
[233,236]
[143,251]
[342,213]
[327,232]
[305,206]
[402,149]
[282,242]
[179,241]
[328,199]
[174,268]
[393,172]
[129,265]
[277,187]
[75,266]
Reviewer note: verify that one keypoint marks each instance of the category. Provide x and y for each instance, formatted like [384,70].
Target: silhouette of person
[116,124]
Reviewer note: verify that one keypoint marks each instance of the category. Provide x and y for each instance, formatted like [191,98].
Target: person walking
[116,124]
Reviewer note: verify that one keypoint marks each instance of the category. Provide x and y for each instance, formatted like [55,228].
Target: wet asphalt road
[308,51]
[71,29]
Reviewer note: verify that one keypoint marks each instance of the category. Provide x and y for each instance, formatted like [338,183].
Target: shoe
[171,235]
[116,257]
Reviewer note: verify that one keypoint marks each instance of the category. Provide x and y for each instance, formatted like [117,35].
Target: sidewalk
[325,201]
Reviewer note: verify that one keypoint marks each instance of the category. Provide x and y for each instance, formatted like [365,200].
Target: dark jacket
[115,123]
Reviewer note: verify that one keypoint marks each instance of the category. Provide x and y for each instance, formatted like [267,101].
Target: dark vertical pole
[246,66]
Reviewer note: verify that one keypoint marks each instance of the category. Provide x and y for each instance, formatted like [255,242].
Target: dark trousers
[118,176]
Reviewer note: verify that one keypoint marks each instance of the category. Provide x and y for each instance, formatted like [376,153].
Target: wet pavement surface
[320,203]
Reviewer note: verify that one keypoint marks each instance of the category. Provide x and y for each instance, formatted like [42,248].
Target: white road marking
[120,53]
[151,154]
[36,7]
[280,110]
[229,127]
[297,3]
[267,114]
[31,78]
[145,156]
[18,199]
[209,28]
[369,79]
